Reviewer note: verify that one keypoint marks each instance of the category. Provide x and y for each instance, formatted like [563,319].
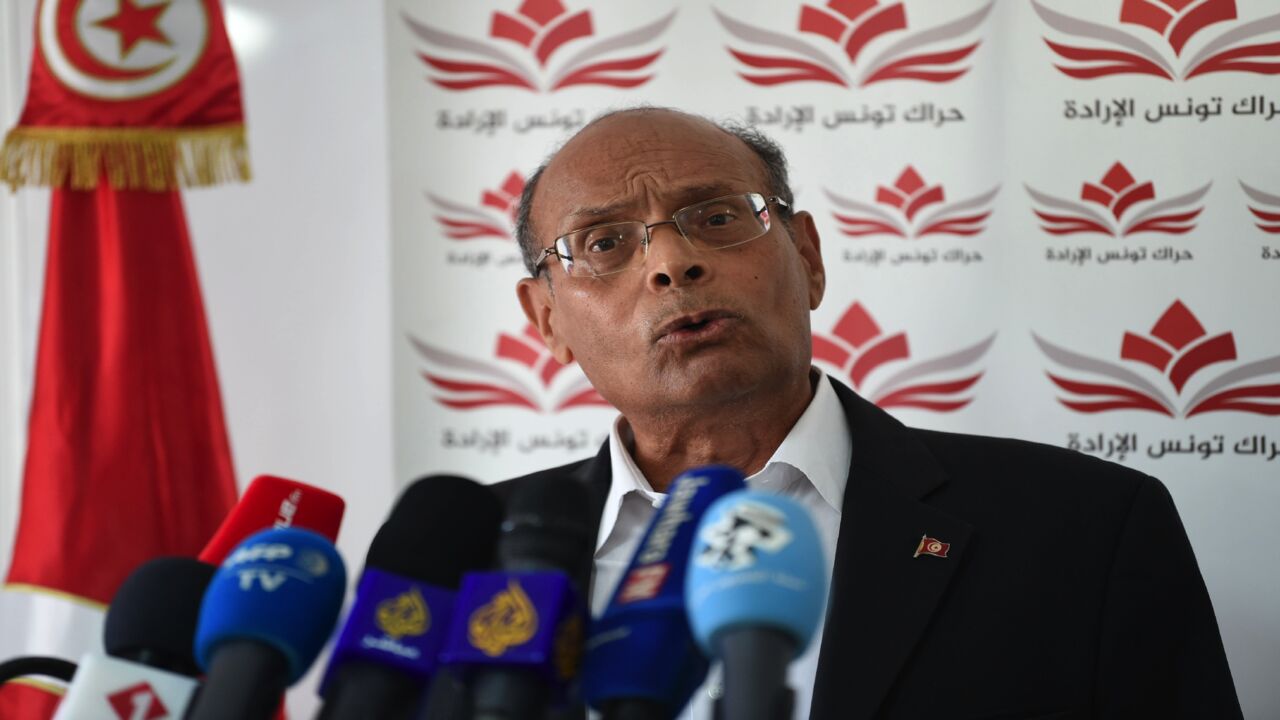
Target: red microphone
[272,501]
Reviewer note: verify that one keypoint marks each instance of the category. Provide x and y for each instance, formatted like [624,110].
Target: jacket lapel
[882,597]
[597,475]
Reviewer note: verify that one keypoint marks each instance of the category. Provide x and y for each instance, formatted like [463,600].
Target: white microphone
[107,687]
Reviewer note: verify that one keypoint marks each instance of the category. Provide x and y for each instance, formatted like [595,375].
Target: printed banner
[1051,220]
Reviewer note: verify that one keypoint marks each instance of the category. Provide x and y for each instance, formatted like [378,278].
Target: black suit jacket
[1069,591]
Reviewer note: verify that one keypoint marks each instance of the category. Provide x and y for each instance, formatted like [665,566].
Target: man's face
[690,327]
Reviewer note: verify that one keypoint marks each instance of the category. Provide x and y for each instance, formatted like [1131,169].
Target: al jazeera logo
[508,620]
[403,616]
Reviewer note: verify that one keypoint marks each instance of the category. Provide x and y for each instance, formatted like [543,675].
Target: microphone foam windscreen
[757,561]
[277,502]
[282,587]
[548,526]
[441,527]
[156,611]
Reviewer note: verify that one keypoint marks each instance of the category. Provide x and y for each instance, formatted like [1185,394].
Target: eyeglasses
[714,224]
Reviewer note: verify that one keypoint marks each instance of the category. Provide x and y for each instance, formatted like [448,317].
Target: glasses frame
[566,260]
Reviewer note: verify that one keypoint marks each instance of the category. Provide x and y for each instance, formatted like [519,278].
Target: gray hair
[769,152]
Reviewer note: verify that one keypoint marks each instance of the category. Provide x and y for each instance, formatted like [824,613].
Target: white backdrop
[952,169]
[317,274]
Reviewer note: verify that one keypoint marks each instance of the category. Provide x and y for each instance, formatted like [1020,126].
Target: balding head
[623,127]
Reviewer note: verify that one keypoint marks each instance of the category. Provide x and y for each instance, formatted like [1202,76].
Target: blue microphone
[756,589]
[642,661]
[266,616]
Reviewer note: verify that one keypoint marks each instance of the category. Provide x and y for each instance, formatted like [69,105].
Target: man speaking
[668,261]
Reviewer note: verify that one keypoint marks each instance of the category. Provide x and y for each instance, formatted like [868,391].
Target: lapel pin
[931,546]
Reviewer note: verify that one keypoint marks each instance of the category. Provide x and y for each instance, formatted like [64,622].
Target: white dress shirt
[810,466]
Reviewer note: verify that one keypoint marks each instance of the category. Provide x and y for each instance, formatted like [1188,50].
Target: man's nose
[672,260]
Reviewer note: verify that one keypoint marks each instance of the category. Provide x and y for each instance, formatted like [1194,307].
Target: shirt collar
[819,446]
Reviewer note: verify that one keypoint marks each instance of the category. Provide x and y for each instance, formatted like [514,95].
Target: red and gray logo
[912,208]
[494,217]
[137,702]
[874,40]
[1161,31]
[1110,204]
[1265,208]
[856,348]
[520,46]
[1177,349]
[523,374]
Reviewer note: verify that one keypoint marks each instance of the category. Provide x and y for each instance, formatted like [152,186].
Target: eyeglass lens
[714,224]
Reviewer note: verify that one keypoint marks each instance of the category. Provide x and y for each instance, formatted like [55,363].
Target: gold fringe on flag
[131,158]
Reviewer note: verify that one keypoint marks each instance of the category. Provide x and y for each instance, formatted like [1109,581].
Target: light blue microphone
[756,590]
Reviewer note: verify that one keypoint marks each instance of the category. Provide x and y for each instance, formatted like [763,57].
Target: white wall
[22,234]
[295,265]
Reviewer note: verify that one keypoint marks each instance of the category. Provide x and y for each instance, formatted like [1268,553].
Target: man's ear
[538,303]
[805,235]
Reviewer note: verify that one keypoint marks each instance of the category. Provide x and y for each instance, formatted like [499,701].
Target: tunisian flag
[127,454]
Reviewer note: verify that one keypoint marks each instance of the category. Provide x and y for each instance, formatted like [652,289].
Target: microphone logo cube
[404,615]
[735,540]
[137,702]
[507,620]
[527,619]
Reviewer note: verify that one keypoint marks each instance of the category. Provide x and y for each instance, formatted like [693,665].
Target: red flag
[148,94]
[127,454]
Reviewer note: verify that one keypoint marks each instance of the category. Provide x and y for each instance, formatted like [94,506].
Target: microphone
[642,661]
[275,502]
[150,668]
[265,618]
[152,618]
[755,592]
[517,633]
[387,652]
[106,687]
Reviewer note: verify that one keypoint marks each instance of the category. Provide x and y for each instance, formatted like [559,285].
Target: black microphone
[152,618]
[53,667]
[148,634]
[517,633]
[388,649]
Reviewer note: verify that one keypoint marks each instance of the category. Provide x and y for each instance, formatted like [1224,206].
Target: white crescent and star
[122,49]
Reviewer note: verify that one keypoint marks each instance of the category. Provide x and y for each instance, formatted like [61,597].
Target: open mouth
[696,326]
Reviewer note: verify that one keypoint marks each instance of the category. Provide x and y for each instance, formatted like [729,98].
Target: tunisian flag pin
[931,546]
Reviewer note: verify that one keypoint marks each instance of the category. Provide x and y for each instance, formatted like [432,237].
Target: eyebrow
[684,196]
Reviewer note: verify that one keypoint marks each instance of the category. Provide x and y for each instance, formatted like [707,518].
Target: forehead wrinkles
[632,163]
